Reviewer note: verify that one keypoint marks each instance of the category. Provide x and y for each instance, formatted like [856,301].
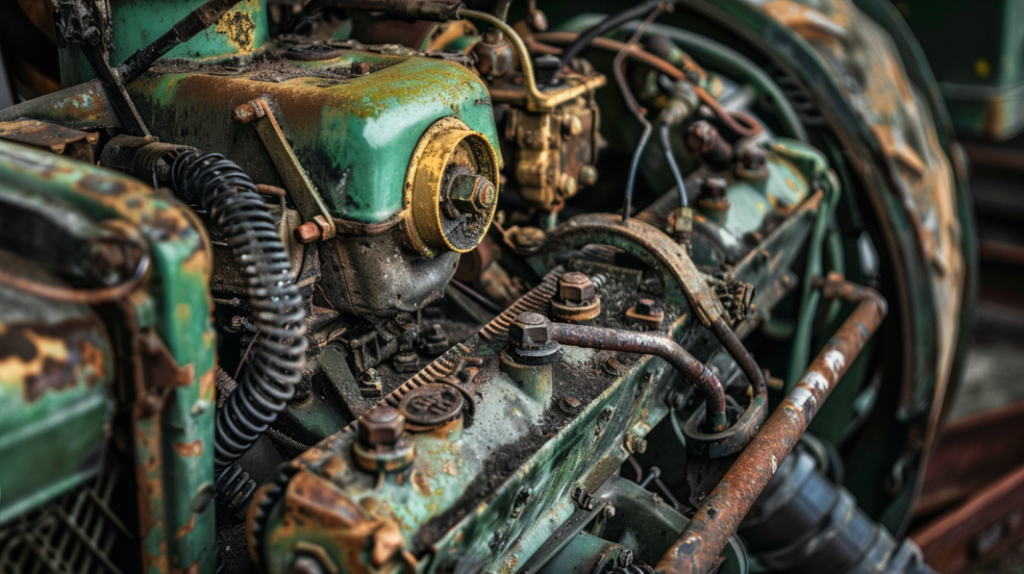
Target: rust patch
[50,357]
[189,449]
[419,480]
[192,568]
[238,28]
[184,530]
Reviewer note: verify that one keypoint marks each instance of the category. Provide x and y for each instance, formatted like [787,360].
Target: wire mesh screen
[76,534]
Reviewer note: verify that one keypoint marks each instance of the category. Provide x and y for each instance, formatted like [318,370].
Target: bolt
[712,188]
[244,113]
[472,193]
[381,425]
[359,68]
[588,175]
[576,288]
[648,307]
[304,564]
[529,331]
[752,158]
[609,511]
[706,142]
[636,444]
[308,232]
[370,383]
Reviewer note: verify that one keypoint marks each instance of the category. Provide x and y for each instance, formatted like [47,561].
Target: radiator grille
[75,534]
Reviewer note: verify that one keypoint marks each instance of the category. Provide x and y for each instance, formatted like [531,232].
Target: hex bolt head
[713,188]
[575,287]
[381,425]
[529,331]
[647,306]
[472,193]
[752,157]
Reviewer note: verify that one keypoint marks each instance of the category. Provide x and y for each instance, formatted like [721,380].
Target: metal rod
[693,371]
[198,20]
[701,543]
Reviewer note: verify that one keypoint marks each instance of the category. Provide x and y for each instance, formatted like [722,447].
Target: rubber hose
[220,187]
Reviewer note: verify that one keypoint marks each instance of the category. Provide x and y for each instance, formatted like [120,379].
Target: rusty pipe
[732,344]
[701,543]
[693,371]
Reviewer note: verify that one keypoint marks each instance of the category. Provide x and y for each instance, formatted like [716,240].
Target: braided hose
[229,196]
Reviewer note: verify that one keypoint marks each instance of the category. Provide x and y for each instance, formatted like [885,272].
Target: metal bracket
[308,202]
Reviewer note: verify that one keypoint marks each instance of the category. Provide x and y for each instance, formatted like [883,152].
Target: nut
[381,425]
[707,143]
[752,162]
[647,307]
[713,188]
[308,232]
[244,113]
[472,193]
[359,68]
[575,287]
[529,331]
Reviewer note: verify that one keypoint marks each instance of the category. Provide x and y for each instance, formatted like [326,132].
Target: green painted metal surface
[174,444]
[56,365]
[976,50]
[353,135]
[137,23]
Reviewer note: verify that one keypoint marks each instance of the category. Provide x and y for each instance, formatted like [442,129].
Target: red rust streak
[701,543]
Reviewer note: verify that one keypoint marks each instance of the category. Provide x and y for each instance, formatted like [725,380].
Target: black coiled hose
[279,353]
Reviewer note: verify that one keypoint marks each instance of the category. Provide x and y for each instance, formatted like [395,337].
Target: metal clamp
[311,207]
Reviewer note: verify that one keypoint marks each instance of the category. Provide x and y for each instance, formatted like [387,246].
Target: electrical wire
[666,142]
[619,68]
[607,25]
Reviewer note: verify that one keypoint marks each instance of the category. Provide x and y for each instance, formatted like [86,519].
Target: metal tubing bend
[693,371]
[699,546]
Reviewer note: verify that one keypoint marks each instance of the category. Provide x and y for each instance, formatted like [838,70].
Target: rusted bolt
[612,367]
[707,143]
[381,425]
[530,139]
[472,193]
[359,69]
[244,113]
[609,511]
[529,337]
[635,443]
[646,311]
[588,175]
[370,384]
[713,188]
[308,232]
[752,162]
[647,306]
[529,331]
[576,287]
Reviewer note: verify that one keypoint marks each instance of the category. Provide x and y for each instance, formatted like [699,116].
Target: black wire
[607,25]
[627,204]
[671,158]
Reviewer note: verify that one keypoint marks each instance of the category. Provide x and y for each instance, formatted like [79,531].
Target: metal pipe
[701,543]
[741,355]
[693,371]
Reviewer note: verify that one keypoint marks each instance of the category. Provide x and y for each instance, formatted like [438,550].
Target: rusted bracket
[649,244]
[308,202]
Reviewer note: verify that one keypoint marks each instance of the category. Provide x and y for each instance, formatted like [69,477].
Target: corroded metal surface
[698,548]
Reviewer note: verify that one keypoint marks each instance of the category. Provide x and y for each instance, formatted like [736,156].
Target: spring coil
[229,196]
[234,487]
